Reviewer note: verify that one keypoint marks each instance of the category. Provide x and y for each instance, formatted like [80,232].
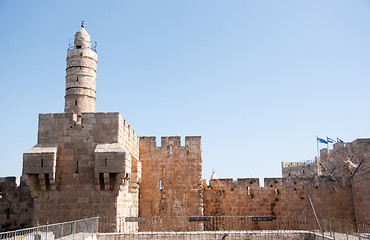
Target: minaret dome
[82,39]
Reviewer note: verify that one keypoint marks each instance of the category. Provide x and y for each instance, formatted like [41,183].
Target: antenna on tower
[82,23]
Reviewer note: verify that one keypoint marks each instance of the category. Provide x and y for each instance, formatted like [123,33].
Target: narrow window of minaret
[105,162]
[77,80]
[171,149]
[42,162]
[160,184]
[77,167]
[76,103]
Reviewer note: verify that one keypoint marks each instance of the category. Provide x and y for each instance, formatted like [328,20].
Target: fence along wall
[172,177]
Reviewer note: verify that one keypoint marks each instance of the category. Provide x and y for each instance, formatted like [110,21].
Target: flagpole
[327,142]
[317,143]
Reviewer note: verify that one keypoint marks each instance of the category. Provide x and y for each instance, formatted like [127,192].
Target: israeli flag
[330,140]
[320,140]
[339,140]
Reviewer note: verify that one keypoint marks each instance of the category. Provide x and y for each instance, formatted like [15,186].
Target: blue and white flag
[330,140]
[320,140]
[339,140]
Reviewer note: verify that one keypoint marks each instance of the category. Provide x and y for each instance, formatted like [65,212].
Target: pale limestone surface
[85,163]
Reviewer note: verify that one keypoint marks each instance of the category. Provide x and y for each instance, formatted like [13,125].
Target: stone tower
[85,163]
[81,75]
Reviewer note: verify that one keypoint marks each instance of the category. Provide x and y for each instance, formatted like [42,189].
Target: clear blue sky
[258,80]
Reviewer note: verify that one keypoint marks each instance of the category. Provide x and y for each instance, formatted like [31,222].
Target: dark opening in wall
[77,167]
[47,182]
[7,213]
[77,79]
[42,162]
[171,149]
[76,103]
[112,180]
[105,162]
[78,47]
[101,181]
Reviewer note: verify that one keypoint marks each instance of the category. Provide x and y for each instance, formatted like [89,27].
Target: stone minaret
[81,75]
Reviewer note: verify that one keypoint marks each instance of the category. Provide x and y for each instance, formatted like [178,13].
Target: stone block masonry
[83,168]
[172,185]
[16,204]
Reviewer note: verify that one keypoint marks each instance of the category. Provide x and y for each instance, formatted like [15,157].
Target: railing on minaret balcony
[93,46]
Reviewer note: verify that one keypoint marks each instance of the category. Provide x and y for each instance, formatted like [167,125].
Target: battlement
[301,169]
[192,143]
[292,164]
[8,182]
[247,183]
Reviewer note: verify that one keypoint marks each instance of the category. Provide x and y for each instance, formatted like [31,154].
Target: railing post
[61,230]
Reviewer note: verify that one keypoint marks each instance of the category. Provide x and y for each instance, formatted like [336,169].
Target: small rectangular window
[76,103]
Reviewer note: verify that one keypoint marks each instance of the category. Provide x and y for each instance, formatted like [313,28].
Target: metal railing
[80,229]
[93,46]
[211,227]
[331,228]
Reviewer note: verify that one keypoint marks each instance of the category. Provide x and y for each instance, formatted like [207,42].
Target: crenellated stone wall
[172,177]
[16,204]
[280,197]
[330,191]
